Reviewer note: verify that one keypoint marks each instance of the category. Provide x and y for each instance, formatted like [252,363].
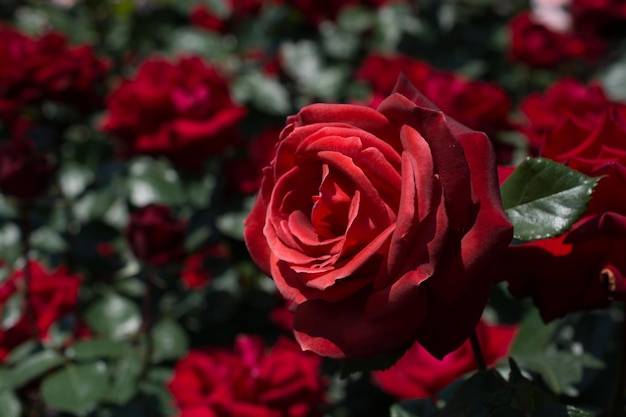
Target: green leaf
[559,370]
[22,351]
[154,181]
[10,405]
[544,199]
[76,389]
[482,391]
[89,350]
[113,316]
[35,366]
[265,93]
[12,311]
[125,372]
[170,340]
[533,335]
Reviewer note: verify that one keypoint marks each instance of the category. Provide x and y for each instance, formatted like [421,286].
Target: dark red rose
[536,45]
[567,99]
[249,381]
[382,71]
[181,110]
[24,171]
[380,226]
[53,294]
[34,70]
[477,104]
[155,236]
[419,375]
[584,268]
[318,11]
[599,14]
[203,17]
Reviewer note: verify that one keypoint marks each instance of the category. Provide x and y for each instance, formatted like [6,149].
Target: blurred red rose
[419,375]
[47,68]
[196,273]
[24,171]
[376,222]
[599,14]
[477,104]
[155,236]
[567,99]
[249,381]
[203,17]
[536,45]
[53,294]
[244,176]
[382,71]
[318,11]
[181,110]
[584,268]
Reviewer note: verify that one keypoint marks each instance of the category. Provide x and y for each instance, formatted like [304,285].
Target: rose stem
[616,408]
[24,211]
[478,353]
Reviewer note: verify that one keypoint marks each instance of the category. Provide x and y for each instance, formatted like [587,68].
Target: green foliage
[544,199]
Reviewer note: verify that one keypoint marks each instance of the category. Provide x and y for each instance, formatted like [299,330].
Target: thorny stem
[25,240]
[478,353]
[616,408]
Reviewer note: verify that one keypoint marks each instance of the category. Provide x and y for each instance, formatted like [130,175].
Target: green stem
[478,353]
[24,221]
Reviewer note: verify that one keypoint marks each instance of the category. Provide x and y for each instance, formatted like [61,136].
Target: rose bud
[155,236]
[24,172]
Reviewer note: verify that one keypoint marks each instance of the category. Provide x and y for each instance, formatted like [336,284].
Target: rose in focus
[380,226]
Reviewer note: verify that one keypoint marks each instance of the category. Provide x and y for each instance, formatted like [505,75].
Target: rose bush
[380,225]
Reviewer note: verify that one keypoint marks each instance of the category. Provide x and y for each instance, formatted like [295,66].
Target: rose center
[331,207]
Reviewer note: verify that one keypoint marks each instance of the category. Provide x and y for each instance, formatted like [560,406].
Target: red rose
[202,17]
[566,99]
[181,110]
[535,44]
[380,225]
[53,294]
[249,381]
[155,236]
[47,68]
[195,273]
[24,172]
[477,104]
[382,71]
[318,11]
[584,268]
[419,375]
